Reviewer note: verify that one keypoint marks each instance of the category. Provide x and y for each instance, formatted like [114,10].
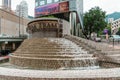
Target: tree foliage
[94,20]
[118,33]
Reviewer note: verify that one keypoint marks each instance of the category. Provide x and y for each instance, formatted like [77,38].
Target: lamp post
[19,19]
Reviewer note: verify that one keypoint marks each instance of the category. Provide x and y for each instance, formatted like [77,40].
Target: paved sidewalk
[115,45]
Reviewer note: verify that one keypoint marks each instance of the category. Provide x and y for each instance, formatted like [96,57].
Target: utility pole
[19,18]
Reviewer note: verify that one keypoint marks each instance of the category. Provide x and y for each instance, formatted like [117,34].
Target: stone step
[50,53]
[115,56]
[55,56]
[59,58]
[97,46]
[50,47]
[52,63]
[111,52]
[53,50]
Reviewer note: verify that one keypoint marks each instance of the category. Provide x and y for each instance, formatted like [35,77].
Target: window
[42,2]
[56,0]
[49,1]
[36,4]
[6,2]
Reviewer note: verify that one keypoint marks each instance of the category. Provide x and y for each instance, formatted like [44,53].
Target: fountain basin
[98,74]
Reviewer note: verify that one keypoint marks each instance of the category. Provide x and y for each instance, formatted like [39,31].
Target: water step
[51,53]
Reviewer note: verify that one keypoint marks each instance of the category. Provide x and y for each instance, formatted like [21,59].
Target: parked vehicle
[114,38]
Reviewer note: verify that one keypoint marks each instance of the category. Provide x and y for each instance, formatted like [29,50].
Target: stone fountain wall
[26,78]
[97,74]
[48,27]
[61,51]
[108,57]
[51,53]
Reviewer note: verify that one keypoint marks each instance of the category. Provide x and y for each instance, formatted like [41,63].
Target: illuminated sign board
[48,9]
[64,6]
[52,9]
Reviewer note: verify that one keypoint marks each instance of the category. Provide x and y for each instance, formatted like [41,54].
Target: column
[13,46]
[73,23]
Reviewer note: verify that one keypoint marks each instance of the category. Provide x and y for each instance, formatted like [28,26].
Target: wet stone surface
[89,72]
[51,53]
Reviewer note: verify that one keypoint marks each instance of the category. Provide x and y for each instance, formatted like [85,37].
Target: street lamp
[19,18]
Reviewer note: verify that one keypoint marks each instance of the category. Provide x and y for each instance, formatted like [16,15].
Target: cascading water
[52,53]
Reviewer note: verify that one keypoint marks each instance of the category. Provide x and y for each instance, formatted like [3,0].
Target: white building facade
[110,20]
[115,25]
[6,4]
[12,25]
[22,9]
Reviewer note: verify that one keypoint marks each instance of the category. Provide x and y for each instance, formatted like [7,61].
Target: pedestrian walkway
[115,46]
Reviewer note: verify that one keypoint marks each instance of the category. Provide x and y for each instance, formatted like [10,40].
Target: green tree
[118,33]
[94,21]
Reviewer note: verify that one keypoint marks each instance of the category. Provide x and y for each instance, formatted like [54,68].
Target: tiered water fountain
[48,56]
[51,53]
